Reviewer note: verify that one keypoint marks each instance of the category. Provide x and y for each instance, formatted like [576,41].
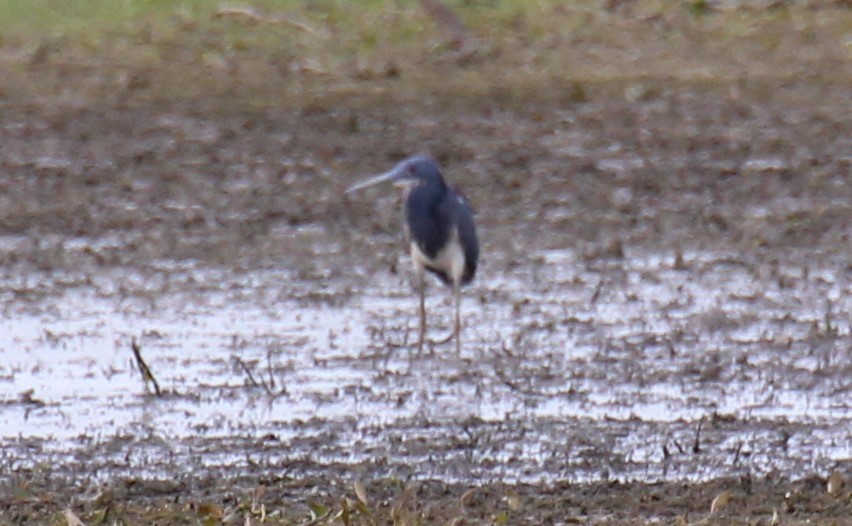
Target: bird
[441,232]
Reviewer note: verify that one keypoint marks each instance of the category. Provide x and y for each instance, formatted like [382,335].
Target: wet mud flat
[662,312]
[661,317]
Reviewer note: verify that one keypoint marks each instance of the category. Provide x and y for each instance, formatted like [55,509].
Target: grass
[286,52]
[397,503]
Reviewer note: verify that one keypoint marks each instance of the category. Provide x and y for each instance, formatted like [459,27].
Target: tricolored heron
[441,229]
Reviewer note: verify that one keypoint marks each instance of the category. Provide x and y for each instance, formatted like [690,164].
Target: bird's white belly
[450,259]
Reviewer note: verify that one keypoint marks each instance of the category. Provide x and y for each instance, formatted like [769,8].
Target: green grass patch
[284,52]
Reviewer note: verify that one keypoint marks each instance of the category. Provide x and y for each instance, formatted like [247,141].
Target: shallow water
[571,369]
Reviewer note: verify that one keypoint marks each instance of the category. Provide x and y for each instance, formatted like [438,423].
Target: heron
[441,231]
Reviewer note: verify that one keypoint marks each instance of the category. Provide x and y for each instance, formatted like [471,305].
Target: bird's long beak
[392,175]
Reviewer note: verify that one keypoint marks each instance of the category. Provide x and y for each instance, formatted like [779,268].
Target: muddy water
[624,325]
[568,371]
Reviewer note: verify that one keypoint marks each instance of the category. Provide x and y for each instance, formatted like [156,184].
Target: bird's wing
[467,236]
[429,220]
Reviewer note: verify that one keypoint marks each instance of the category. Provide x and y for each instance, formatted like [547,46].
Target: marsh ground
[662,313]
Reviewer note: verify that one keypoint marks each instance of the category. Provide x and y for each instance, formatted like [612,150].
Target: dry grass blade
[247,13]
[513,500]
[720,502]
[147,375]
[775,520]
[468,496]
[318,519]
[71,519]
[834,484]
[252,16]
[361,492]
[257,508]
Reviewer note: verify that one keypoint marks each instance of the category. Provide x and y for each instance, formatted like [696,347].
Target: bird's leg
[422,337]
[457,330]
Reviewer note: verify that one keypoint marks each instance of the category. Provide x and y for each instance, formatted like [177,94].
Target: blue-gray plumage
[441,229]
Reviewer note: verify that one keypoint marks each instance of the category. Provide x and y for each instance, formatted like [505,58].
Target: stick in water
[143,367]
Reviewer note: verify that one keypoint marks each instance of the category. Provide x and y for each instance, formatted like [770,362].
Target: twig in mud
[696,445]
[597,293]
[246,370]
[737,453]
[829,326]
[254,383]
[269,369]
[147,375]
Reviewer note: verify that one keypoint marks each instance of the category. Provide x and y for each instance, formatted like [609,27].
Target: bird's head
[418,169]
